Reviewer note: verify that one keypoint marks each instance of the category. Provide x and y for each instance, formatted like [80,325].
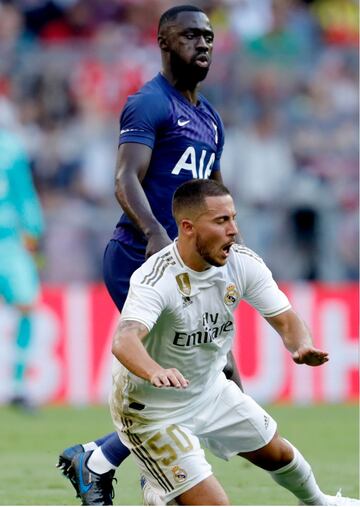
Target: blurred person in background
[21,225]
[324,139]
[259,167]
[13,38]
[168,134]
[339,21]
[280,43]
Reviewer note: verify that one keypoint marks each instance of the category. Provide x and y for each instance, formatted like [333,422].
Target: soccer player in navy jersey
[169,134]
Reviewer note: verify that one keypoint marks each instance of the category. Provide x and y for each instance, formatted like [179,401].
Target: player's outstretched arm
[127,347]
[297,339]
[132,163]
[216,175]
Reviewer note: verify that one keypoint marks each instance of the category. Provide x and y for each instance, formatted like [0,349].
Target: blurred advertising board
[71,360]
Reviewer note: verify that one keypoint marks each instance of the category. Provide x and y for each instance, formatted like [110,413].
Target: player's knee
[273,456]
[284,452]
[278,455]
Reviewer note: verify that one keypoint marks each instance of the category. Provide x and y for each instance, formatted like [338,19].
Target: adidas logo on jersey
[266,421]
[186,301]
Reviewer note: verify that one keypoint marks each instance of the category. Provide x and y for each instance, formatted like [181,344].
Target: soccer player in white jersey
[177,326]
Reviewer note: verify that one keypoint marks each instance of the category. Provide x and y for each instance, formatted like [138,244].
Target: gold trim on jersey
[183,281]
[144,456]
[177,255]
[241,249]
[161,264]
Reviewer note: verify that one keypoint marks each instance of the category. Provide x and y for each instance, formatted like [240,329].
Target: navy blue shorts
[120,261]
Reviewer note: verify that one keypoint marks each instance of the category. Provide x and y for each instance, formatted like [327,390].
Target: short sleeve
[143,304]
[142,116]
[220,143]
[261,290]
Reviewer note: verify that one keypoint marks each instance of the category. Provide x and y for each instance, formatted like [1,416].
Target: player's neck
[189,91]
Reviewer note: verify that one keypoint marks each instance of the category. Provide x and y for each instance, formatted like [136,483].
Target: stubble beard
[188,75]
[203,251]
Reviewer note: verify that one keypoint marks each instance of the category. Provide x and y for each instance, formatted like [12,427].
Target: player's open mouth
[226,248]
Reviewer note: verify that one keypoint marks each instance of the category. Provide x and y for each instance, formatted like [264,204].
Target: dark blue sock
[114,450]
[102,440]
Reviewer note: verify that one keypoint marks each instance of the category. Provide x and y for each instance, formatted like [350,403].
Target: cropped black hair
[192,194]
[171,14]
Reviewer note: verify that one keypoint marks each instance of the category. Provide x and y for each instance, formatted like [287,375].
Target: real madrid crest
[231,295]
[179,473]
[184,285]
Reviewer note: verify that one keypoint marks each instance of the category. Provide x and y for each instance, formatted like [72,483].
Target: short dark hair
[171,14]
[192,194]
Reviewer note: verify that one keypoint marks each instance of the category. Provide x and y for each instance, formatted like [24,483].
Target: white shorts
[169,454]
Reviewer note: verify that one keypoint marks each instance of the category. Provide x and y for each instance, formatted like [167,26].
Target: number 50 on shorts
[168,451]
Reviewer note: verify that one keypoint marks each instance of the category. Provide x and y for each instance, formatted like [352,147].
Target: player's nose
[201,44]
[232,228]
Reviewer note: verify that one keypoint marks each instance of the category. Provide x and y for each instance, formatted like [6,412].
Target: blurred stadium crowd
[284,79]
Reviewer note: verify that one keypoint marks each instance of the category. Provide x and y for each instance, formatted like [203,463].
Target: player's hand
[310,356]
[30,242]
[170,377]
[156,241]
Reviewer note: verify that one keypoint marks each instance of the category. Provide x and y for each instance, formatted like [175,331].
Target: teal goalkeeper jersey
[20,210]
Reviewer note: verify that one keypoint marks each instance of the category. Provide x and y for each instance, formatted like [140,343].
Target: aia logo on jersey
[231,295]
[216,132]
[199,166]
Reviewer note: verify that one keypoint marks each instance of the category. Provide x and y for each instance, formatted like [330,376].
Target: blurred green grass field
[327,435]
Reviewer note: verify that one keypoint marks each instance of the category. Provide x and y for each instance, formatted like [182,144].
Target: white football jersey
[189,316]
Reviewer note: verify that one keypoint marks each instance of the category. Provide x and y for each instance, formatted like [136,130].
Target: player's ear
[186,226]
[162,41]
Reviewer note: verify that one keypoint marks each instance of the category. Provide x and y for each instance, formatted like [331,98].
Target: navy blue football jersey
[186,142]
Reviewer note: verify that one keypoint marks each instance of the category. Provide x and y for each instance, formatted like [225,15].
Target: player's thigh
[235,423]
[119,263]
[19,279]
[169,456]
[207,492]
